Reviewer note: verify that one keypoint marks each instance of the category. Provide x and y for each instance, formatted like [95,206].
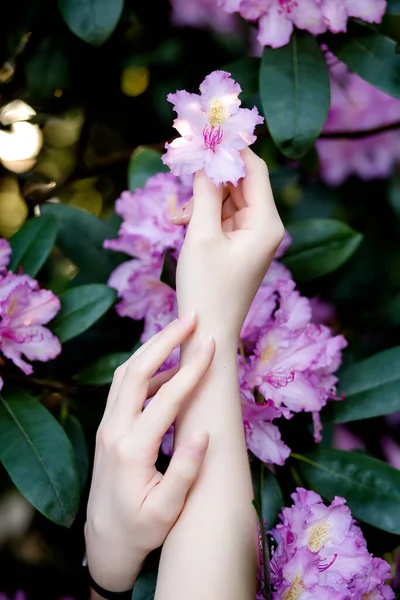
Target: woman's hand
[132,506]
[232,237]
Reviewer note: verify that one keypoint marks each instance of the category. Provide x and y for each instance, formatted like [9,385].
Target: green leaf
[268,494]
[93,21]
[80,237]
[245,72]
[47,69]
[393,7]
[101,371]
[76,435]
[39,457]
[319,246]
[145,586]
[370,54]
[144,163]
[371,388]
[32,244]
[80,308]
[370,486]
[295,93]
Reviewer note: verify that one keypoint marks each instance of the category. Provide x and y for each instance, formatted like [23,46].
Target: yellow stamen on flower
[217,113]
[267,353]
[13,307]
[318,536]
[294,592]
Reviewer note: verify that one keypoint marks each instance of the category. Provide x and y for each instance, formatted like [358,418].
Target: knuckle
[103,438]
[122,451]
[119,373]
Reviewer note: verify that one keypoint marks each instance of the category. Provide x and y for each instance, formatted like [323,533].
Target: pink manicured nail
[198,443]
[187,318]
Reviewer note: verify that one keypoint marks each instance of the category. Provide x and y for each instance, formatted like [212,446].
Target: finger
[183,214]
[134,387]
[120,372]
[162,411]
[256,188]
[182,472]
[207,205]
[158,380]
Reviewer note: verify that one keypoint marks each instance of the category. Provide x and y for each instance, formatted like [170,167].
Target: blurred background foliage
[82,89]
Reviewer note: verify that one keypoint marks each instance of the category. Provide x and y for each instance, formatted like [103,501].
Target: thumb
[207,204]
[182,472]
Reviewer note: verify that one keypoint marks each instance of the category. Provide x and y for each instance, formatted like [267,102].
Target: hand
[132,506]
[232,237]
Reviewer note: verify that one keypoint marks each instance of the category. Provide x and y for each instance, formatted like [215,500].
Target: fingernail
[207,341]
[187,318]
[198,442]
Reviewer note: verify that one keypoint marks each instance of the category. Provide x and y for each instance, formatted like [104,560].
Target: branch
[363,133]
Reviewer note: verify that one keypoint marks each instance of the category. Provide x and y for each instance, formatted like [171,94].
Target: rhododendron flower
[146,213]
[5,253]
[24,309]
[213,128]
[277,18]
[202,13]
[321,553]
[143,295]
[357,105]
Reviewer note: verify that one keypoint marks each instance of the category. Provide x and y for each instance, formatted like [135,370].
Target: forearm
[212,549]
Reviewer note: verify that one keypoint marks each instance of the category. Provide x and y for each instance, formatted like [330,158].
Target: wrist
[112,566]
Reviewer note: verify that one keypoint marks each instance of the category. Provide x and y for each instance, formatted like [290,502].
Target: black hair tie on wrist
[106,593]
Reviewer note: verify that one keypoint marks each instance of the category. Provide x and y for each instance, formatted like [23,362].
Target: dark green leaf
[245,72]
[145,586]
[101,371]
[91,20]
[295,93]
[74,431]
[144,163]
[80,308]
[393,7]
[319,246]
[80,237]
[32,244]
[39,457]
[47,70]
[371,388]
[370,54]
[268,494]
[370,486]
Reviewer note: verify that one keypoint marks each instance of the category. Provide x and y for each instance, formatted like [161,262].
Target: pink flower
[5,253]
[213,130]
[321,553]
[147,228]
[143,295]
[357,105]
[202,13]
[24,309]
[277,18]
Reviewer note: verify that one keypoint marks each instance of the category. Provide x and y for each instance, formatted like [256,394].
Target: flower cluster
[147,233]
[286,361]
[276,19]
[213,130]
[321,553]
[357,105]
[24,309]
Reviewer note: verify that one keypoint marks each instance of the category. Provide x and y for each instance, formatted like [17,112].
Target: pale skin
[209,533]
